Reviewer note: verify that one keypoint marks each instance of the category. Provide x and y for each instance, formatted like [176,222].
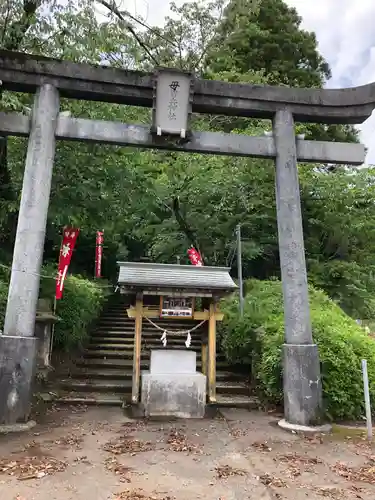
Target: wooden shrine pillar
[137,348]
[204,356]
[211,371]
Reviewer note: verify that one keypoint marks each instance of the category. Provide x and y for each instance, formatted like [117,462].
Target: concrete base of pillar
[305,429]
[17,369]
[302,385]
[8,429]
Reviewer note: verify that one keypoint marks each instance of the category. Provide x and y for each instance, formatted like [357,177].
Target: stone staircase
[103,373]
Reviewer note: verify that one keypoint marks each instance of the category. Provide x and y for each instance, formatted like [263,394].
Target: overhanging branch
[112,7]
[184,226]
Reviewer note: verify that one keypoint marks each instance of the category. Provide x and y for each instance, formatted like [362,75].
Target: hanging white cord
[175,332]
[188,340]
[163,338]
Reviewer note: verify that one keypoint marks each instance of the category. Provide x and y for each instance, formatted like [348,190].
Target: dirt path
[99,454]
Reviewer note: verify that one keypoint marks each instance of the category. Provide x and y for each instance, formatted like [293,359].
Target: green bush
[3,300]
[4,280]
[256,340]
[80,306]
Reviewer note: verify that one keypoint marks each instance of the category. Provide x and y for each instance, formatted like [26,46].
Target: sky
[345,33]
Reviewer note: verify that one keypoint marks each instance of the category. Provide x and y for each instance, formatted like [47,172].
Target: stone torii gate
[173,96]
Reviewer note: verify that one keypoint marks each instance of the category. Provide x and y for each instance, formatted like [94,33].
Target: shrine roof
[147,276]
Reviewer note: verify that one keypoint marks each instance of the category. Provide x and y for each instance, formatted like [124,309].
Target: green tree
[339,211]
[266,35]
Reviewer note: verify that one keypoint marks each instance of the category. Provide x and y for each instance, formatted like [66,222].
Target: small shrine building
[173,291]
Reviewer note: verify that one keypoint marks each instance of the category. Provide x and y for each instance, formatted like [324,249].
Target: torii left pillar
[18,344]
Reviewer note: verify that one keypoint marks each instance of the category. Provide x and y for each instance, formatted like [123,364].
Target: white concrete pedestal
[173,387]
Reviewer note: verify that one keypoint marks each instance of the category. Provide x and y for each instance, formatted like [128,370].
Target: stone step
[154,344]
[160,322]
[148,329]
[149,341]
[227,401]
[97,385]
[120,360]
[127,373]
[232,387]
[122,364]
[122,354]
[129,351]
[119,322]
[123,386]
[117,399]
[148,336]
[110,373]
[129,332]
[101,363]
[84,398]
[108,354]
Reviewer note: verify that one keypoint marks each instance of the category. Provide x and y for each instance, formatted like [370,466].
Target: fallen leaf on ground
[261,446]
[83,460]
[130,427]
[365,474]
[32,444]
[269,480]
[314,439]
[298,463]
[238,432]
[81,408]
[225,471]
[178,441]
[75,441]
[139,495]
[31,467]
[302,459]
[113,465]
[125,444]
[328,492]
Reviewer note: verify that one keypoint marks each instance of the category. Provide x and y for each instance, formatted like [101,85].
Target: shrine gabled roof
[141,275]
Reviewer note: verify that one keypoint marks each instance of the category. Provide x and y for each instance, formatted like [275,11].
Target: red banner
[99,253]
[195,257]
[70,236]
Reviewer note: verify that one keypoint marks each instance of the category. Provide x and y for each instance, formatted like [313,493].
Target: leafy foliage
[80,306]
[3,300]
[249,37]
[257,338]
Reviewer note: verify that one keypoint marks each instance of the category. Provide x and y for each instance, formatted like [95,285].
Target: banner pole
[54,307]
[52,330]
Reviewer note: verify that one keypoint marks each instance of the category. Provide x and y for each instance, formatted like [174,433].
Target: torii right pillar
[301,366]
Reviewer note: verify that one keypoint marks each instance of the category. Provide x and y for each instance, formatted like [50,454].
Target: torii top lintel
[22,72]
